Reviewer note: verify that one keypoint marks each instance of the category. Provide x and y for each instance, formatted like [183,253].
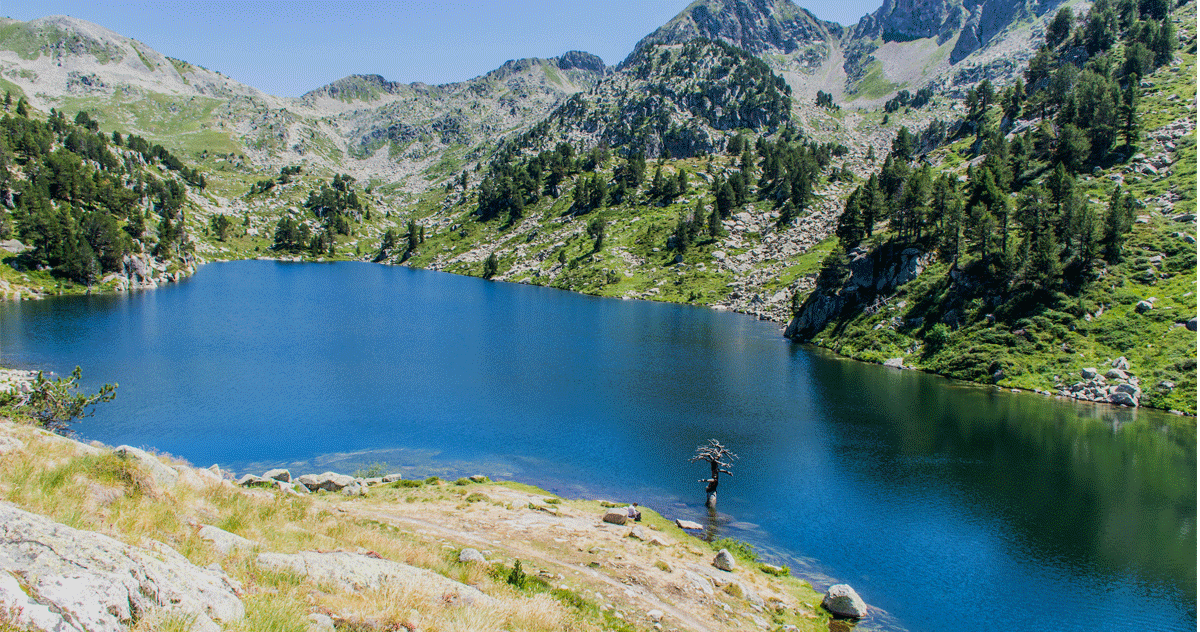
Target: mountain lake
[947,506]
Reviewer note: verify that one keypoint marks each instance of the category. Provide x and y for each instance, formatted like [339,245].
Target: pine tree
[849,226]
[1131,123]
[1117,223]
[1060,27]
[1073,148]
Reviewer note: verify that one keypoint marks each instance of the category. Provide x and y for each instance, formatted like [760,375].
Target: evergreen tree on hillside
[1060,27]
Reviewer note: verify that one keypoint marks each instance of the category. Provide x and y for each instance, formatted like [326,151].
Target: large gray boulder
[724,560]
[98,584]
[841,600]
[470,555]
[353,573]
[164,476]
[329,481]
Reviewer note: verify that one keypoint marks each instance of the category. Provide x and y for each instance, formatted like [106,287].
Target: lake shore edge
[113,287]
[262,541]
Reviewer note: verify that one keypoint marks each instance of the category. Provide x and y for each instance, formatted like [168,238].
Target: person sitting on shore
[634,512]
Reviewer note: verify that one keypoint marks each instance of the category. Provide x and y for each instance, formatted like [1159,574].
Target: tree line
[87,198]
[1019,221]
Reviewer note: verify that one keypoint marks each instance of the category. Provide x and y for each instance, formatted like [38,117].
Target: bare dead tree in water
[719,459]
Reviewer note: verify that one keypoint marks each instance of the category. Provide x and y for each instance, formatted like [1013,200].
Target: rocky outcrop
[164,477]
[1116,386]
[777,29]
[616,516]
[354,572]
[329,481]
[877,273]
[80,580]
[682,101]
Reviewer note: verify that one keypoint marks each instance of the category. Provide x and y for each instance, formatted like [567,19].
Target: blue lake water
[947,506]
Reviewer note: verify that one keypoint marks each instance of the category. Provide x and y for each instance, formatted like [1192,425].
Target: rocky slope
[156,544]
[779,31]
[363,125]
[670,100]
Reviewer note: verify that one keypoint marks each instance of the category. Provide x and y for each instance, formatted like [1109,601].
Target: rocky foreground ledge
[95,539]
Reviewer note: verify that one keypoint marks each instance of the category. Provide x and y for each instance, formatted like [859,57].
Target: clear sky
[288,48]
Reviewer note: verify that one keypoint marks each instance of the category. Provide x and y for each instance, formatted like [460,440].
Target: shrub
[54,404]
[517,577]
[741,550]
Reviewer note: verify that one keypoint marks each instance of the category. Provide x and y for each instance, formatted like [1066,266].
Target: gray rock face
[1143,306]
[1088,373]
[99,584]
[579,60]
[1122,399]
[1116,374]
[28,613]
[392,478]
[471,555]
[724,560]
[1191,324]
[164,476]
[329,481]
[843,601]
[1121,363]
[353,572]
[876,273]
[772,27]
[688,524]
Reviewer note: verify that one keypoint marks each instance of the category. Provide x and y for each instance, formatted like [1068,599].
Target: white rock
[688,524]
[471,555]
[329,481]
[27,612]
[319,623]
[104,584]
[223,541]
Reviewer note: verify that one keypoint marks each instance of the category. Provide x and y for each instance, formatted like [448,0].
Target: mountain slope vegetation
[981,235]
[1050,244]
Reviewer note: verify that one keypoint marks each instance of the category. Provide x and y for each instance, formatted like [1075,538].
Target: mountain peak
[775,27]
